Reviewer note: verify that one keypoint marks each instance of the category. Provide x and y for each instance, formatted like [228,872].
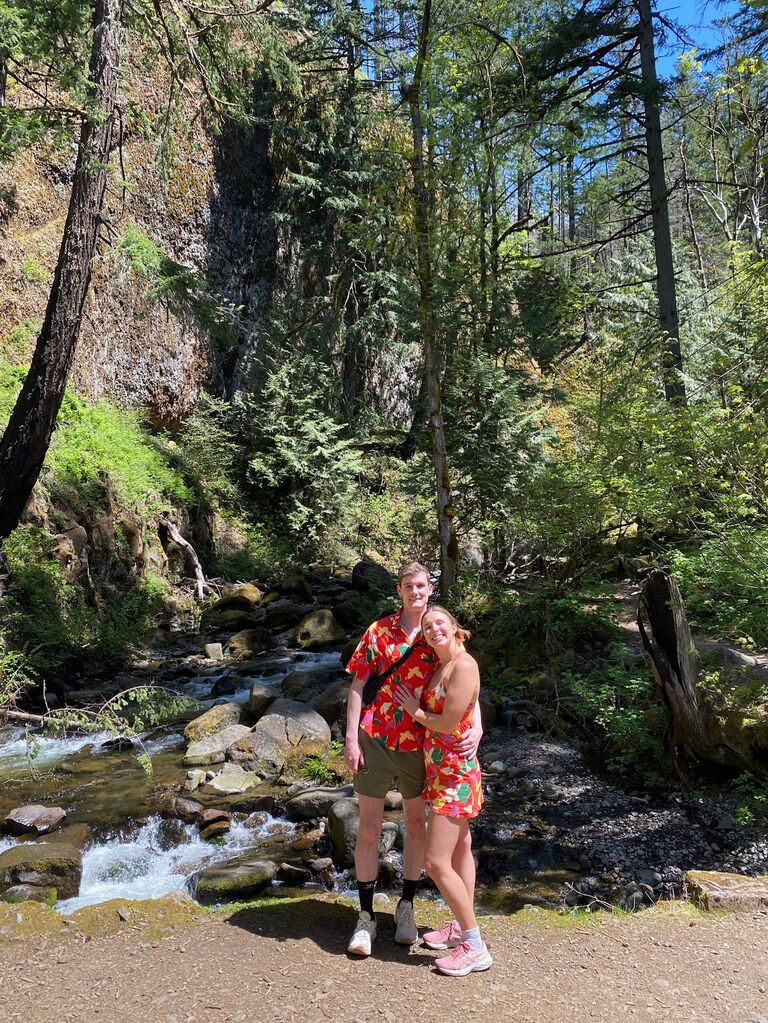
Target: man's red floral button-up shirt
[387,722]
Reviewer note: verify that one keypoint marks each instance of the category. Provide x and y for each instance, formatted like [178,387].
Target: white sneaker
[405,932]
[364,933]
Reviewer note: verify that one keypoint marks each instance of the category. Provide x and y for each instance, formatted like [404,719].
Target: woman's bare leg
[443,836]
[463,862]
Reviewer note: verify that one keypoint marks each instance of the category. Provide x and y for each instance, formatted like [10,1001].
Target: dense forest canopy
[504,307]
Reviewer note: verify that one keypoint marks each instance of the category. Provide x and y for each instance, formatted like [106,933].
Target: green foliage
[324,768]
[18,340]
[16,676]
[301,463]
[32,271]
[56,623]
[619,708]
[98,448]
[724,583]
[755,798]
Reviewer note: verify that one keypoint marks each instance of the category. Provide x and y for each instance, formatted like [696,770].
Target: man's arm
[353,756]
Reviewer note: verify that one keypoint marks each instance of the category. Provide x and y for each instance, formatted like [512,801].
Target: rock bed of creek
[547,807]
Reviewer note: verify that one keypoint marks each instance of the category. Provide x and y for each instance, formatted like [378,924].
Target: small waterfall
[143,869]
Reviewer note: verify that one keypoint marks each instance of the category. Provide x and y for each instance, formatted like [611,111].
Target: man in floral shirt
[383,743]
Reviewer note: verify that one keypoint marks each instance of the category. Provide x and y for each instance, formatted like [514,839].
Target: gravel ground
[288,962]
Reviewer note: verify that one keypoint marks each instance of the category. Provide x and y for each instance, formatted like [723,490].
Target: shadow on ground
[329,925]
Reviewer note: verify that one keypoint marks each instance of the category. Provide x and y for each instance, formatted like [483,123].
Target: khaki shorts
[383,766]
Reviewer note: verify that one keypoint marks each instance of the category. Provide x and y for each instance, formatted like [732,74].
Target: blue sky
[697,17]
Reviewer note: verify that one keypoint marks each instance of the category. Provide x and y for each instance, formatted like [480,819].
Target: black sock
[365,890]
[409,890]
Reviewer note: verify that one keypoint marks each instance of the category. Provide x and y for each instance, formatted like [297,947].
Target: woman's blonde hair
[461,634]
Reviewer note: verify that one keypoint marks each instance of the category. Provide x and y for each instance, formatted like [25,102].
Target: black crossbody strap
[378,678]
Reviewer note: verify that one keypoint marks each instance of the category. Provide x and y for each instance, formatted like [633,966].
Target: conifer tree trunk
[28,434]
[422,206]
[672,366]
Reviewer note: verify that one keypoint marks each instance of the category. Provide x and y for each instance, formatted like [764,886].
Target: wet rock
[226,685]
[33,819]
[291,874]
[255,804]
[260,697]
[211,815]
[187,810]
[239,878]
[319,629]
[343,825]
[214,720]
[354,612]
[367,575]
[214,651]
[285,729]
[77,835]
[172,832]
[213,748]
[195,778]
[315,802]
[120,744]
[215,830]
[44,866]
[248,642]
[232,781]
[29,893]
[308,840]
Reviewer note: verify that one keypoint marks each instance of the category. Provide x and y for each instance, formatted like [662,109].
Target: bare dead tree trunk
[191,554]
[449,548]
[672,359]
[705,726]
[28,434]
[667,638]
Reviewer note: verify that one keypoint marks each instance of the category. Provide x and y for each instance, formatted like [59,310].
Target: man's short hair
[412,568]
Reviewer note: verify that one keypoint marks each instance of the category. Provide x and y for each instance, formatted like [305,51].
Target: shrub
[724,583]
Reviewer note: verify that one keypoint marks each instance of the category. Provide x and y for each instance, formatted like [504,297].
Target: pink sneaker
[449,936]
[464,959]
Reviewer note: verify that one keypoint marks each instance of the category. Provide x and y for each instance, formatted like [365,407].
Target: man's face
[415,591]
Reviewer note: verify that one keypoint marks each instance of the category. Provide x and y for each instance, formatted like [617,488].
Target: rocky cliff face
[210,215]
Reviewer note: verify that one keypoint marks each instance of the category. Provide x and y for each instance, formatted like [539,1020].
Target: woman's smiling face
[438,629]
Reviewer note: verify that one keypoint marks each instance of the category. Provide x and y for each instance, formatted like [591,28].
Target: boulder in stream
[249,641]
[213,720]
[33,819]
[232,781]
[44,866]
[315,802]
[240,597]
[343,825]
[212,749]
[240,878]
[319,629]
[259,699]
[287,728]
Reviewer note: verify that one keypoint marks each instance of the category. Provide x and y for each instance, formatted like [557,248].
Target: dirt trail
[288,962]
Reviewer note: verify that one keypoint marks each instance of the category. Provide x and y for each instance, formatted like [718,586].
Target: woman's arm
[461,690]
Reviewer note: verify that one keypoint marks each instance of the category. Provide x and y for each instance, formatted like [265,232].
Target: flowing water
[132,856]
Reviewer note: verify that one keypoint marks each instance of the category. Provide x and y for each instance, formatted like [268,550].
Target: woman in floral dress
[453,789]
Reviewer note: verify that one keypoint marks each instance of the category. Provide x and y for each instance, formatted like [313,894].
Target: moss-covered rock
[319,629]
[213,720]
[212,749]
[56,866]
[239,878]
